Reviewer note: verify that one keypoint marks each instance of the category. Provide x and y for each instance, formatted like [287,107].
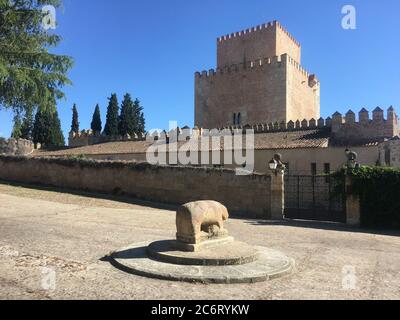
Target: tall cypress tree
[75,120]
[56,135]
[47,128]
[139,117]
[96,124]
[27,124]
[111,127]
[16,132]
[142,124]
[41,126]
[38,127]
[127,121]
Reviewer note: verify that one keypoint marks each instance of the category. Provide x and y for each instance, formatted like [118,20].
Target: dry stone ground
[72,233]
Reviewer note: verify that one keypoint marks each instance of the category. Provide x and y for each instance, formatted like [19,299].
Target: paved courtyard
[70,234]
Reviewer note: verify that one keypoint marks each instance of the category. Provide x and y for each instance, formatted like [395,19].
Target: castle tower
[258,79]
[263,41]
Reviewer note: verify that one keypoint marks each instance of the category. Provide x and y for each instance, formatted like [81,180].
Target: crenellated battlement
[269,26]
[88,137]
[266,26]
[343,129]
[247,66]
[346,127]
[259,64]
[258,74]
[338,125]
[299,67]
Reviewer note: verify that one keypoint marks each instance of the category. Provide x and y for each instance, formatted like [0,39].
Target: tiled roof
[292,139]
[118,147]
[296,139]
[371,142]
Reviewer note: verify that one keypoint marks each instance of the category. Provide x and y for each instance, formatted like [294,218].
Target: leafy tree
[16,132]
[111,127]
[29,74]
[47,128]
[75,120]
[27,125]
[127,120]
[96,124]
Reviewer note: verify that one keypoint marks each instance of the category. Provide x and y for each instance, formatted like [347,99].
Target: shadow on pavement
[238,216]
[102,196]
[331,226]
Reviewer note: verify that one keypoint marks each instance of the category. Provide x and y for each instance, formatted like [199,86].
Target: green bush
[379,192]
[77,157]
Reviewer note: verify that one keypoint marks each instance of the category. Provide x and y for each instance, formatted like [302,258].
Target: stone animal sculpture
[195,217]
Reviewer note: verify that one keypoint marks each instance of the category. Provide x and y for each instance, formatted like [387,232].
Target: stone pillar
[277,200]
[353,212]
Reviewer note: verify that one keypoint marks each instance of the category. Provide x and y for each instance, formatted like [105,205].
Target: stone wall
[389,153]
[302,93]
[259,78]
[257,92]
[299,160]
[347,129]
[267,40]
[16,146]
[266,90]
[247,195]
[88,138]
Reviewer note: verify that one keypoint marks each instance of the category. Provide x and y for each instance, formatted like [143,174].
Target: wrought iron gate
[314,198]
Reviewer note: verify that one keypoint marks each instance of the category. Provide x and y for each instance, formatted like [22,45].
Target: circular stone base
[270,264]
[231,253]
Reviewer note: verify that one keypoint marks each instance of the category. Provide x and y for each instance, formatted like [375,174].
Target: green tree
[140,122]
[27,125]
[16,132]
[57,137]
[47,128]
[127,120]
[29,74]
[75,120]
[96,124]
[41,126]
[111,127]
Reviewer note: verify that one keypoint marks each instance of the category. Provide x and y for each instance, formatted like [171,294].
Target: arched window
[234,118]
[239,118]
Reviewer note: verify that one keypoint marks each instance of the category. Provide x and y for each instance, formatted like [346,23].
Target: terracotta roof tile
[265,141]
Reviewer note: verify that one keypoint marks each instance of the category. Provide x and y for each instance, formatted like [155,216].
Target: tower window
[234,118]
[239,118]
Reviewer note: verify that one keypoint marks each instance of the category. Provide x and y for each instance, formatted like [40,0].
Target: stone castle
[259,84]
[259,78]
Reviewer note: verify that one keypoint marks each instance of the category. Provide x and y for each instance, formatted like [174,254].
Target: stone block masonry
[242,195]
[259,78]
[267,40]
[266,90]
[16,146]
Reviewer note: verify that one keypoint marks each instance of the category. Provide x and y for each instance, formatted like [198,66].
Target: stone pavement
[71,234]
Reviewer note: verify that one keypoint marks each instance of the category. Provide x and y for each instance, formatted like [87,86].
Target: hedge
[379,192]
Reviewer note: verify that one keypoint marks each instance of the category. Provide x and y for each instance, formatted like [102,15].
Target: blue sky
[151,49]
